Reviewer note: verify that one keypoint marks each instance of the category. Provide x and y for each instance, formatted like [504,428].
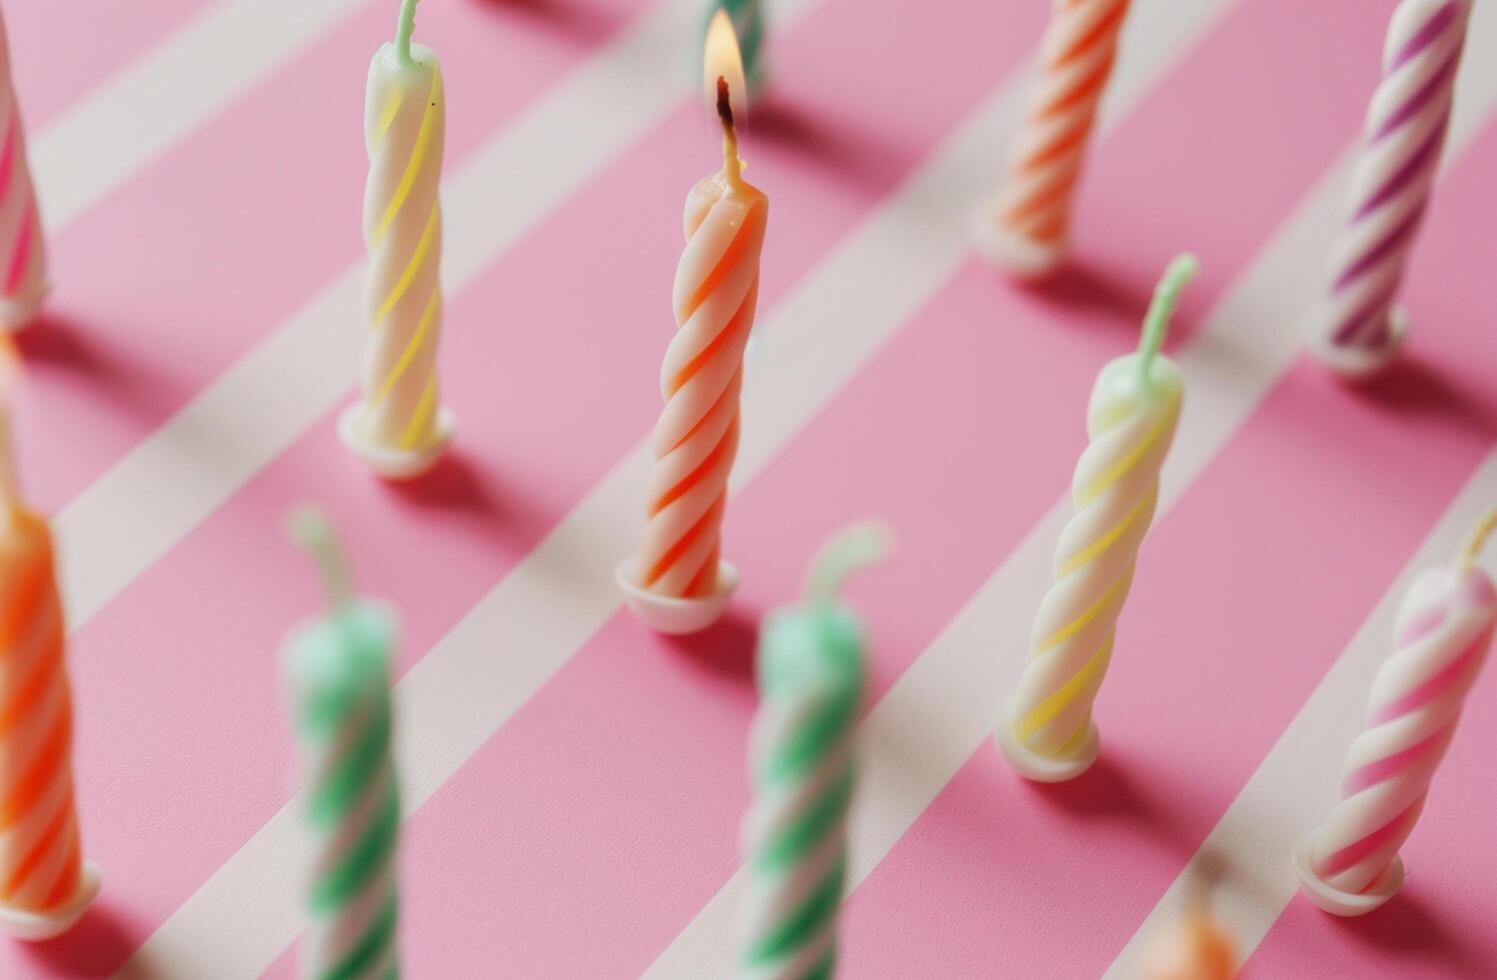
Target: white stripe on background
[527,627]
[946,704]
[1296,784]
[181,473]
[115,130]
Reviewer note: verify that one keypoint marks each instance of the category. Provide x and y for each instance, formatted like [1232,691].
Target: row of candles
[811,656]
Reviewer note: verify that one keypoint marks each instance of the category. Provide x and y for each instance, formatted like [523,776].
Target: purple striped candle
[1358,328]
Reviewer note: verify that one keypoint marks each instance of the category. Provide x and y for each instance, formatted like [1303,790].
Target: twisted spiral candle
[23,261]
[811,680]
[1358,328]
[1049,733]
[399,424]
[696,436]
[1350,865]
[1024,228]
[340,672]
[44,884]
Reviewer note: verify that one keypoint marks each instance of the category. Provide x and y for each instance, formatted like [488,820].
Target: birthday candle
[1358,328]
[1350,865]
[716,288]
[1193,949]
[1024,227]
[23,274]
[44,884]
[399,425]
[1048,733]
[811,677]
[338,667]
[748,23]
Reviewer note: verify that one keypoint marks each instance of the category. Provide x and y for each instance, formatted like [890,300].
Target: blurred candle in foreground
[1350,865]
[1357,328]
[45,886]
[23,260]
[399,425]
[338,667]
[1024,228]
[1194,948]
[1048,734]
[678,582]
[812,673]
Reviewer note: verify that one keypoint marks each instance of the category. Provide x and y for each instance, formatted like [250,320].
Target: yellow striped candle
[398,425]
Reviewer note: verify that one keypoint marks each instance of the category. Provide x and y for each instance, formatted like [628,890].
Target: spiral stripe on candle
[1416,701]
[795,834]
[403,230]
[40,852]
[1404,133]
[1115,489]
[696,436]
[354,809]
[1076,59]
[21,249]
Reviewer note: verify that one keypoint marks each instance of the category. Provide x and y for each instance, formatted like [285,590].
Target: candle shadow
[458,488]
[725,649]
[1411,385]
[1405,929]
[824,139]
[1081,287]
[56,343]
[95,947]
[587,25]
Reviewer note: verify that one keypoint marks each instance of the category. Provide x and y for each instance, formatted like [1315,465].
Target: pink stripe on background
[1440,923]
[60,50]
[542,418]
[1246,592]
[580,839]
[163,285]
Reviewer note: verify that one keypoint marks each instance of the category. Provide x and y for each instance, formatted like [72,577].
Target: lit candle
[23,276]
[1048,733]
[339,671]
[1350,865]
[1192,949]
[747,17]
[1024,228]
[45,885]
[812,674]
[678,582]
[1358,329]
[399,425]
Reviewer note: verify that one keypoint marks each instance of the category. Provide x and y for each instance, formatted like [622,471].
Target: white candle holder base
[17,312]
[1337,902]
[1359,363]
[33,927]
[1048,769]
[389,463]
[1023,258]
[671,614]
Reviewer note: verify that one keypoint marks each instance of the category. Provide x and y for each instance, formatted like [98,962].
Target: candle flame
[722,66]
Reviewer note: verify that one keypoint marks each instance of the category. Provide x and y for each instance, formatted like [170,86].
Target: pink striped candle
[1358,328]
[1350,865]
[23,263]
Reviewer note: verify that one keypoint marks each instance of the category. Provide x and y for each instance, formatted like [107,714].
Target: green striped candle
[339,671]
[811,679]
[748,23]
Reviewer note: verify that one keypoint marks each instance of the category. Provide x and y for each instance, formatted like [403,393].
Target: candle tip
[1162,309]
[309,528]
[403,30]
[724,102]
[849,550]
[1477,538]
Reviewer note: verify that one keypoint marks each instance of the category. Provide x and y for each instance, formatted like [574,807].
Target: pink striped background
[589,830]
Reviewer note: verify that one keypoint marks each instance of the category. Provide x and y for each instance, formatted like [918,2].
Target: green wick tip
[1166,295]
[403,32]
[309,528]
[848,551]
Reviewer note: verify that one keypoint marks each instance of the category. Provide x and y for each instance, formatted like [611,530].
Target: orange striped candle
[44,884]
[1024,228]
